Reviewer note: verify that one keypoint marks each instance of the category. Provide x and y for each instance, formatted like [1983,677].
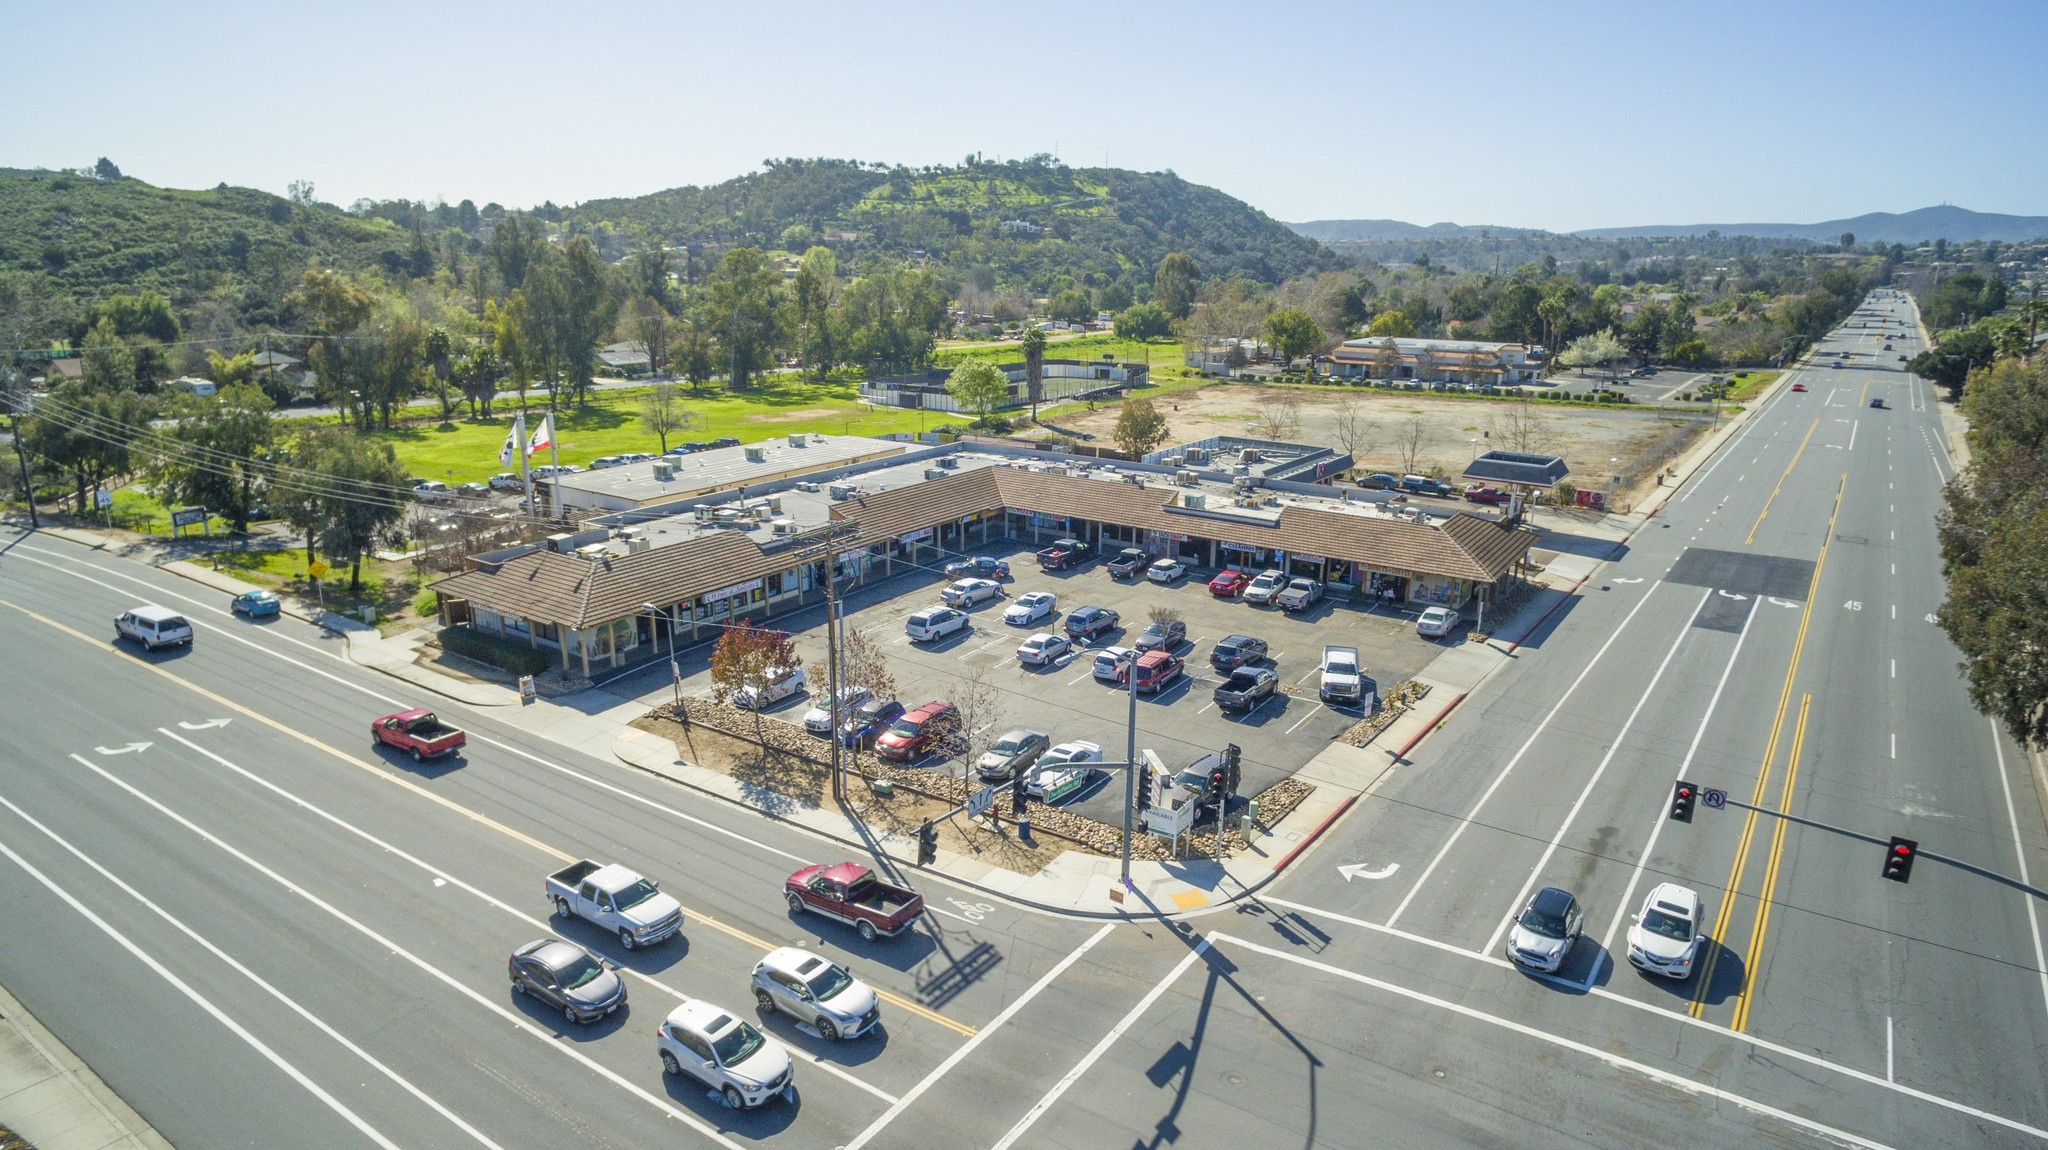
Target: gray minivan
[153,627]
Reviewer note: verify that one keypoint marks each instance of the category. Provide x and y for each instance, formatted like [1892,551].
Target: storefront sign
[724,593]
[914,536]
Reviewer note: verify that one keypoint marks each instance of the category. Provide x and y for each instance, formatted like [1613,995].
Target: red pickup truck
[418,733]
[852,894]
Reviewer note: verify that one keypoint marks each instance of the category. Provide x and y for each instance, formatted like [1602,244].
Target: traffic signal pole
[1889,841]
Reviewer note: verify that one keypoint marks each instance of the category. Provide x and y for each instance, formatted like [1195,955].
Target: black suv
[1237,651]
[1086,623]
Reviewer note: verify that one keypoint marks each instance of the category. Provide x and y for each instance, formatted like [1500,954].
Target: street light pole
[1130,765]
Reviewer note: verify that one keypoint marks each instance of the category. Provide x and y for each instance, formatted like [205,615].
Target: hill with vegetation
[1021,221]
[95,236]
[1943,222]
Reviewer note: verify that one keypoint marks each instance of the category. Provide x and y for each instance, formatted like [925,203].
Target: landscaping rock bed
[1393,705]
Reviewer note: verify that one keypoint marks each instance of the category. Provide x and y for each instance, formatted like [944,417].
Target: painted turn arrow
[1359,870]
[204,725]
[123,750]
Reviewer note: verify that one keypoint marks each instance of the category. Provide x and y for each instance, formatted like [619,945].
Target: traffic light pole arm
[1921,852]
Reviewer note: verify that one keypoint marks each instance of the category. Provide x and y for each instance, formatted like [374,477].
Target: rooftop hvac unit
[807,485]
[1241,469]
[1194,500]
[949,461]
[1242,483]
[796,440]
[775,504]
[1174,460]
[934,473]
[558,541]
[1196,454]
[783,527]
[636,545]
[755,454]
[840,490]
[726,516]
[1186,478]
[1248,455]
[591,551]
[664,470]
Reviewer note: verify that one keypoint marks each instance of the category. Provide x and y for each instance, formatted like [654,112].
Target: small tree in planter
[743,659]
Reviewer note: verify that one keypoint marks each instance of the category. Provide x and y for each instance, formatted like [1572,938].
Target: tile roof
[572,591]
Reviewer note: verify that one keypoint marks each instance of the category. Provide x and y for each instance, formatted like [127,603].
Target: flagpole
[555,480]
[525,479]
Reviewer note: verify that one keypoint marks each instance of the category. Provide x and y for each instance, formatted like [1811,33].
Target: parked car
[418,733]
[818,720]
[1664,937]
[1063,770]
[1030,608]
[1064,553]
[725,441]
[868,719]
[256,604]
[1902,359]
[1343,680]
[1424,485]
[1380,481]
[854,895]
[1246,688]
[701,1041]
[1229,584]
[916,732]
[634,457]
[1126,564]
[1481,493]
[432,491]
[1298,595]
[1166,570]
[981,566]
[1234,651]
[1155,669]
[471,491]
[811,988]
[971,592]
[603,462]
[934,623]
[1111,661]
[778,683]
[1436,622]
[1011,752]
[1085,623]
[507,482]
[1544,932]
[1263,587]
[567,977]
[1042,649]
[1162,634]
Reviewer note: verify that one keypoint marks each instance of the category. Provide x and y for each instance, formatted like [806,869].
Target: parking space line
[1305,718]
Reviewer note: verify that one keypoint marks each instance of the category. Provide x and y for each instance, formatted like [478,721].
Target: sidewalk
[52,1100]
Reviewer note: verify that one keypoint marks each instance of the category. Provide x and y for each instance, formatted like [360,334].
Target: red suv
[1155,670]
[916,732]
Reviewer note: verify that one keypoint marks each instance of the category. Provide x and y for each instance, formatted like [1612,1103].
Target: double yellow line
[893,999]
[1751,537]
[1704,985]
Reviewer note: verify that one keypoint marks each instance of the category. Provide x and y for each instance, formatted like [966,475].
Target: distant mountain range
[1943,222]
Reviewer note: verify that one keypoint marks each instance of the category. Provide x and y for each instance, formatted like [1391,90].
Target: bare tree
[1517,426]
[862,664]
[1279,415]
[1350,429]
[661,411]
[975,722]
[1412,438]
[1386,358]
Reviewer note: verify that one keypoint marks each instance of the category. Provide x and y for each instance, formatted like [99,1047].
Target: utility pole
[1130,763]
[829,541]
[28,491]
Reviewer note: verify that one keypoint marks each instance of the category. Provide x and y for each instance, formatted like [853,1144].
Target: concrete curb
[52,1099]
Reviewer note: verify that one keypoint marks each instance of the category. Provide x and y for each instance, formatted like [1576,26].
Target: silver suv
[153,627]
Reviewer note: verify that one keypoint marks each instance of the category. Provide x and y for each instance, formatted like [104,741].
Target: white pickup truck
[1342,683]
[616,899]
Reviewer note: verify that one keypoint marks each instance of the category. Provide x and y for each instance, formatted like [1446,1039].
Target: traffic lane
[435,963]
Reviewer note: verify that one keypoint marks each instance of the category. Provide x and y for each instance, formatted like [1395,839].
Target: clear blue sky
[1557,115]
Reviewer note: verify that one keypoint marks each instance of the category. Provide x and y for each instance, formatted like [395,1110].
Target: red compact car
[1229,584]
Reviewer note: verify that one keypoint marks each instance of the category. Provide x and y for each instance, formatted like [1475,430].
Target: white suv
[778,684]
[153,627]
[698,1040]
[934,623]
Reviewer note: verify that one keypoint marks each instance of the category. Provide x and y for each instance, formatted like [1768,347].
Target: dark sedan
[567,977]
[981,566]
[870,717]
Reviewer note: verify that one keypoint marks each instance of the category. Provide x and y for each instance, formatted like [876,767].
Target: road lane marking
[517,1020]
[1787,474]
[1705,977]
[967,1047]
[2020,848]
[433,1103]
[1108,1040]
[1752,958]
[204,1003]
[1618,1062]
[1635,877]
[1613,748]
[1473,814]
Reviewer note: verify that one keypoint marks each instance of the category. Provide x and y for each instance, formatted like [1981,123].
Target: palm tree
[1034,367]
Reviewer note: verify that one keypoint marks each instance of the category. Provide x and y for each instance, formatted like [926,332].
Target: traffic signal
[1236,771]
[1017,796]
[1898,859]
[1683,795]
[927,845]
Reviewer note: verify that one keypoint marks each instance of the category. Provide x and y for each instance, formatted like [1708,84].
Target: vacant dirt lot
[1587,438]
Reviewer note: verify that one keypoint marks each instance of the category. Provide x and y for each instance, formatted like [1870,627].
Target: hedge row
[508,654]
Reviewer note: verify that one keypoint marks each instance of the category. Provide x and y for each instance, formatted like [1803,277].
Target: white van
[934,623]
[782,682]
[153,627]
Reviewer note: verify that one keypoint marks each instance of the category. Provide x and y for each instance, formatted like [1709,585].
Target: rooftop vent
[934,473]
[1186,478]
[1194,500]
[949,461]
[796,440]
[840,490]
[664,470]
[807,485]
[756,453]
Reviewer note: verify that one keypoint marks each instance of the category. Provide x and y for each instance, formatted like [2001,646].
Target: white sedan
[1166,570]
[970,592]
[1030,608]
[818,720]
[1042,648]
[1063,768]
[1436,622]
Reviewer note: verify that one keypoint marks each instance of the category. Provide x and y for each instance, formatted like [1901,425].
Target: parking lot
[1180,722]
